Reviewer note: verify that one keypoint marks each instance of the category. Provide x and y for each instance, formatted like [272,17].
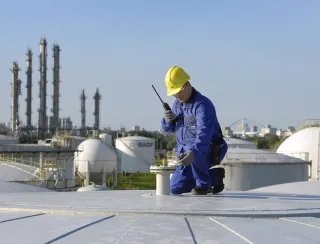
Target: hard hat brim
[174,91]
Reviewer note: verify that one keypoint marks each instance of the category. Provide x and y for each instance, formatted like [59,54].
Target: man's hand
[185,158]
[169,116]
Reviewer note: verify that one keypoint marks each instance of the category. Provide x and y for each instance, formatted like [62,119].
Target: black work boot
[219,188]
[198,190]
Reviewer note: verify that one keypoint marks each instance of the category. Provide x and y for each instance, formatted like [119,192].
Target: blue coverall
[194,131]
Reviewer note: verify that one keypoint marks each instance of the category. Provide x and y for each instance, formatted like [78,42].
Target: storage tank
[247,169]
[239,143]
[98,156]
[304,144]
[136,153]
[106,138]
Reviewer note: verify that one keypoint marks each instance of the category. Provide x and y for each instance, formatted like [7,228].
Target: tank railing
[243,157]
[47,163]
[40,148]
[300,155]
[26,165]
[33,167]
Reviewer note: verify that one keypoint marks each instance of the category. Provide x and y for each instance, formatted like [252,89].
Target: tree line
[168,141]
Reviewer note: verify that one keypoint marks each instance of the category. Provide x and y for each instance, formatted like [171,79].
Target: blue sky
[254,59]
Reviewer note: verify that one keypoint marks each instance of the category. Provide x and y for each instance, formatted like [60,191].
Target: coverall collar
[191,99]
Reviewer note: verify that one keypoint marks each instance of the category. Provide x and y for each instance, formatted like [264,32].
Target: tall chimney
[83,113]
[15,92]
[43,90]
[29,87]
[97,97]
[56,88]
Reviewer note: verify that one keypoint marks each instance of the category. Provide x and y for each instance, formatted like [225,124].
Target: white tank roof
[135,138]
[234,142]
[305,140]
[247,155]
[304,187]
[93,187]
[238,141]
[304,144]
[12,187]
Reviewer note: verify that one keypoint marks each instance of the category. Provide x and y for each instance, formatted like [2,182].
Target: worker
[198,134]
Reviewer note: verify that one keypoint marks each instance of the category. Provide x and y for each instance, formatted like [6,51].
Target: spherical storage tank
[304,144]
[96,156]
[136,153]
[106,138]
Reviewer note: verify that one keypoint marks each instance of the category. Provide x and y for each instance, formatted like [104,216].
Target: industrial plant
[47,153]
[50,121]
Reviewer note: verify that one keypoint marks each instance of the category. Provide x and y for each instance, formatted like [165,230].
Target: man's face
[184,94]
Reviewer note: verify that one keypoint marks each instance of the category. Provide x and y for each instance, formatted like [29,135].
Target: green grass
[136,181]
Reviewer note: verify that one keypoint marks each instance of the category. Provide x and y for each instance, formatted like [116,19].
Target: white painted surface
[136,153]
[12,187]
[143,217]
[304,144]
[304,187]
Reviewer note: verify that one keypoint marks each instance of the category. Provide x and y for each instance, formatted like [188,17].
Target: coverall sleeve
[205,115]
[169,127]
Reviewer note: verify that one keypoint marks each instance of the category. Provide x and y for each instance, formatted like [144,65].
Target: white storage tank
[304,144]
[106,138]
[136,153]
[98,156]
[247,169]
[239,143]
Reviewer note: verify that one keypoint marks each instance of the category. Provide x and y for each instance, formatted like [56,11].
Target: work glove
[185,158]
[169,116]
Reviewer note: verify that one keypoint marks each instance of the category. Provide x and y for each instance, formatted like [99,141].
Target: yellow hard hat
[175,79]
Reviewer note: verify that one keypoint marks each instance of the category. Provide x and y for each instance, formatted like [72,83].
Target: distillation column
[83,113]
[29,88]
[97,97]
[56,86]
[43,90]
[15,92]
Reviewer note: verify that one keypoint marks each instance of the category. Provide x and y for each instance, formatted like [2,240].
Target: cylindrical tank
[97,157]
[247,169]
[106,138]
[136,153]
[238,143]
